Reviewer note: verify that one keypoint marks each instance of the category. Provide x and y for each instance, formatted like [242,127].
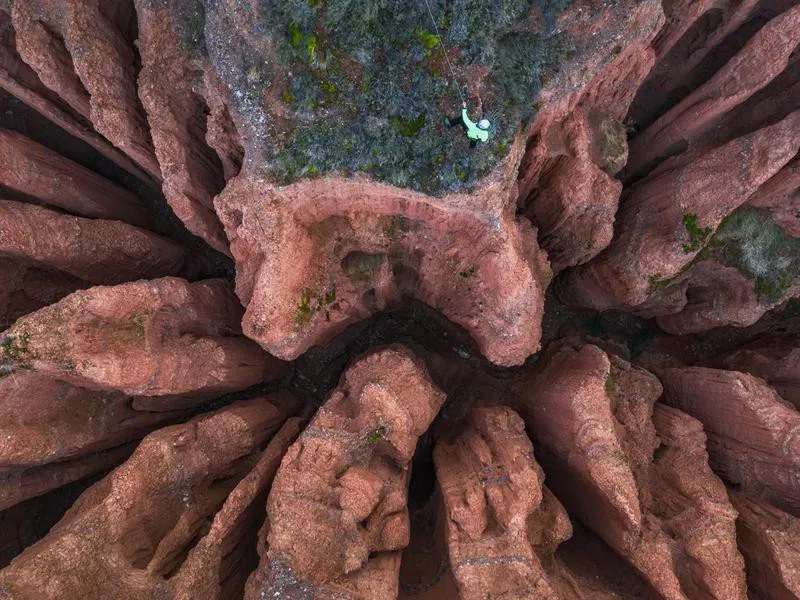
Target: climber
[475,132]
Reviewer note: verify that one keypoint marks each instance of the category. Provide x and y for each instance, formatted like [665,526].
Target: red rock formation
[34,170]
[758,63]
[591,416]
[317,256]
[492,487]
[773,358]
[781,196]
[177,114]
[26,289]
[18,485]
[693,505]
[338,519]
[578,143]
[770,541]
[752,433]
[654,238]
[45,421]
[133,530]
[94,250]
[19,80]
[83,50]
[162,338]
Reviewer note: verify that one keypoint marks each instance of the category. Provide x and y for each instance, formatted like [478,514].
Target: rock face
[592,416]
[578,144]
[84,51]
[133,529]
[170,86]
[705,232]
[492,488]
[338,517]
[769,538]
[773,358]
[752,432]
[94,250]
[162,338]
[36,171]
[317,256]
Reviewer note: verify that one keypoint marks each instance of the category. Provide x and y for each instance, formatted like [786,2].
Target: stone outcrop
[492,488]
[579,142]
[137,528]
[338,516]
[317,256]
[36,171]
[770,541]
[753,434]
[773,358]
[166,341]
[93,250]
[170,86]
[592,417]
[83,50]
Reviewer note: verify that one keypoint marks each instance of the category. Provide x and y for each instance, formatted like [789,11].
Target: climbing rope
[446,54]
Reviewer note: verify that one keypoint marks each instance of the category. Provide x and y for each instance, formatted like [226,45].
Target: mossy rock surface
[348,86]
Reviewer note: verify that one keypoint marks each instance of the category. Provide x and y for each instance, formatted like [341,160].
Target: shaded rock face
[338,515]
[492,488]
[338,251]
[164,338]
[636,475]
[154,445]
[752,432]
[705,235]
[149,517]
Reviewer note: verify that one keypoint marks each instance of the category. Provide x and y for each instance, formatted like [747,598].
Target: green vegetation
[697,236]
[310,303]
[750,240]
[363,85]
[376,436]
[14,353]
[658,283]
[611,383]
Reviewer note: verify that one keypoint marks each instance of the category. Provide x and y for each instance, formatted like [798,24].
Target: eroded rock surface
[773,358]
[770,541]
[592,415]
[131,532]
[492,487]
[317,256]
[161,338]
[94,250]
[338,516]
[753,434]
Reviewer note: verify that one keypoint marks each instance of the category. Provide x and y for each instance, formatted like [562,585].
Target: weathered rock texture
[338,516]
[137,529]
[578,144]
[161,338]
[770,541]
[705,235]
[170,86]
[492,488]
[591,415]
[753,434]
[84,51]
[317,256]
[49,423]
[773,358]
[94,250]
[36,171]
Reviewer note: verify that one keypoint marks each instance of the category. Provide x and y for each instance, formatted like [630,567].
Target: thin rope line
[446,55]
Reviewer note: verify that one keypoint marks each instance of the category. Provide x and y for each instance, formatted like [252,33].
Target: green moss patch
[750,240]
[311,302]
[363,85]
[697,235]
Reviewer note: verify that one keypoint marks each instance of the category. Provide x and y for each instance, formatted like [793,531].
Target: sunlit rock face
[272,328]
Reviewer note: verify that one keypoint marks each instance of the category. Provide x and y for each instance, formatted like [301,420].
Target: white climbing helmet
[484,124]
